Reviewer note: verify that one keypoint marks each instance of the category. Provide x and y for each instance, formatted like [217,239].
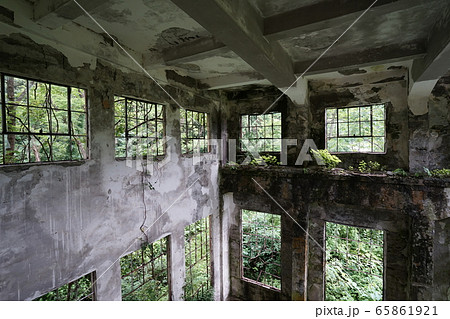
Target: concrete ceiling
[229,43]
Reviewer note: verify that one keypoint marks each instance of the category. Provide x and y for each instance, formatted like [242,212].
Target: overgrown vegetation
[144,273]
[43,122]
[354,263]
[261,245]
[331,161]
[198,285]
[80,289]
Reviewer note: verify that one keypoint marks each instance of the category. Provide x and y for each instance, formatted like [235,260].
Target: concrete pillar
[177,262]
[108,284]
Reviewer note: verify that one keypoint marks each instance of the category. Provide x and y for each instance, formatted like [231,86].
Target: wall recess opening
[145,273]
[261,246]
[354,263]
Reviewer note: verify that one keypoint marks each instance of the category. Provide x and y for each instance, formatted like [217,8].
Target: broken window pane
[137,123]
[36,129]
[194,131]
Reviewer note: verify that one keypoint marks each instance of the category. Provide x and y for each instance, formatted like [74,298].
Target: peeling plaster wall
[430,133]
[389,87]
[414,213]
[61,221]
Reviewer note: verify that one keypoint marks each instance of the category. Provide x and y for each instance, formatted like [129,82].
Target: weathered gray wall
[414,214]
[386,86]
[430,133]
[61,221]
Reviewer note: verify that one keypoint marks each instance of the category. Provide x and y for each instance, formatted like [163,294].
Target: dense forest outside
[356,129]
[194,131]
[262,132]
[81,289]
[261,245]
[197,239]
[41,122]
[139,128]
[354,263]
[145,273]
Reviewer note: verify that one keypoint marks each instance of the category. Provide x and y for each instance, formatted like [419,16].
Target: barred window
[261,246]
[262,132]
[194,131]
[197,241]
[356,129]
[81,289]
[41,122]
[139,128]
[145,273]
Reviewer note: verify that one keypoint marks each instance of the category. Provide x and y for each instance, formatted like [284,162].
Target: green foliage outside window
[194,131]
[356,129]
[144,273]
[197,246]
[262,132]
[354,263]
[41,122]
[261,246]
[77,290]
[139,128]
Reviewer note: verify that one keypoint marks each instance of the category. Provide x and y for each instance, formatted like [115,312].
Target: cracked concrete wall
[414,213]
[430,133]
[61,221]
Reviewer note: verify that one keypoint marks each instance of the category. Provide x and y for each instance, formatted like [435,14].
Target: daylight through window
[354,263]
[41,122]
[194,131]
[198,261]
[261,132]
[261,245]
[81,289]
[145,273]
[356,129]
[139,128]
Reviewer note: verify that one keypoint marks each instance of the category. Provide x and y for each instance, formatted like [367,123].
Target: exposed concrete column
[297,117]
[109,284]
[227,210]
[177,262]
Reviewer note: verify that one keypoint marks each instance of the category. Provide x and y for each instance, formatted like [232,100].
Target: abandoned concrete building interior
[225,150]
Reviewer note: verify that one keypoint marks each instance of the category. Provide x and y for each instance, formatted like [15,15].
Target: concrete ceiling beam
[238,25]
[193,51]
[327,14]
[56,13]
[234,80]
[426,71]
[375,56]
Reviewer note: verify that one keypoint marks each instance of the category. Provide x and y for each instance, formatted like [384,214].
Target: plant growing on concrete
[331,161]
[268,159]
[443,173]
[400,172]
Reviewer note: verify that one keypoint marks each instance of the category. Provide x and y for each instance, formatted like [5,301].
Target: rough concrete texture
[388,87]
[59,222]
[429,133]
[414,214]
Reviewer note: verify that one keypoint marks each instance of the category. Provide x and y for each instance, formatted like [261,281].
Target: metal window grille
[198,261]
[261,245]
[139,128]
[194,131]
[81,289]
[356,129]
[41,121]
[263,132]
[354,262]
[145,273]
